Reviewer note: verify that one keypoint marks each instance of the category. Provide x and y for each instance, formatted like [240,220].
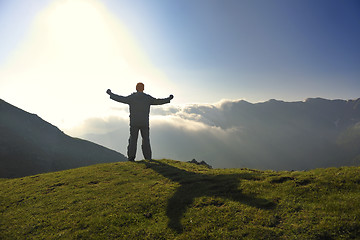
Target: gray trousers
[146,148]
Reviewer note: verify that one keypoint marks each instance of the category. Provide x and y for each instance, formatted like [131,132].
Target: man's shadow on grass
[194,185]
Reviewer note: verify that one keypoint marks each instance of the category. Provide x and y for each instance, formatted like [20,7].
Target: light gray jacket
[139,104]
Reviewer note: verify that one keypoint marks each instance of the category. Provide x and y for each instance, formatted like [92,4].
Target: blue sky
[201,51]
[282,49]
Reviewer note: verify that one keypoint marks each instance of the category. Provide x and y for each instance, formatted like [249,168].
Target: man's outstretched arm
[117,98]
[160,101]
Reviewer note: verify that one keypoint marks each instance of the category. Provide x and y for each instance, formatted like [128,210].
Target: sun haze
[74,51]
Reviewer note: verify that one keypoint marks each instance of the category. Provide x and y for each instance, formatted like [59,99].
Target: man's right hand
[109,92]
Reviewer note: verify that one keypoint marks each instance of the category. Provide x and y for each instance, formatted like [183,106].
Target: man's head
[140,87]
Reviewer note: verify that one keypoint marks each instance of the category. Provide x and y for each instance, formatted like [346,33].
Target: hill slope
[175,200]
[30,145]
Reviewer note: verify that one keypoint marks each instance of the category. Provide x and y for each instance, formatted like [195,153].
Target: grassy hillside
[168,199]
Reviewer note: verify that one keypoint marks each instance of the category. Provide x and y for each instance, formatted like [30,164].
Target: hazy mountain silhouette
[285,135]
[30,145]
[268,135]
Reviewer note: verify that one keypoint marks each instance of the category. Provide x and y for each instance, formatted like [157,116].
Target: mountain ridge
[30,145]
[275,134]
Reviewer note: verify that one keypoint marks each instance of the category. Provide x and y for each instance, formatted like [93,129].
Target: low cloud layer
[270,135]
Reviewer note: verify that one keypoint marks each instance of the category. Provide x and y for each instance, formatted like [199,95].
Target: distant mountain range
[274,134]
[280,135]
[30,145]
[269,135]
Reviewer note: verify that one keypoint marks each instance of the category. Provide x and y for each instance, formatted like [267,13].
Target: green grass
[169,199]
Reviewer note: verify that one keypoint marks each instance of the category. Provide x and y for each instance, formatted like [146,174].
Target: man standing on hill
[139,104]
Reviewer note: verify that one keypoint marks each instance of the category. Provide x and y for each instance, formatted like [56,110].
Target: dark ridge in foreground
[30,145]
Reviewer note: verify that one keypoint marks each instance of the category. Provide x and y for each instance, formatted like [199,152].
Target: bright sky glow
[75,51]
[58,57]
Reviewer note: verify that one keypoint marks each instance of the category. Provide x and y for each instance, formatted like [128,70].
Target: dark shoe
[131,159]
